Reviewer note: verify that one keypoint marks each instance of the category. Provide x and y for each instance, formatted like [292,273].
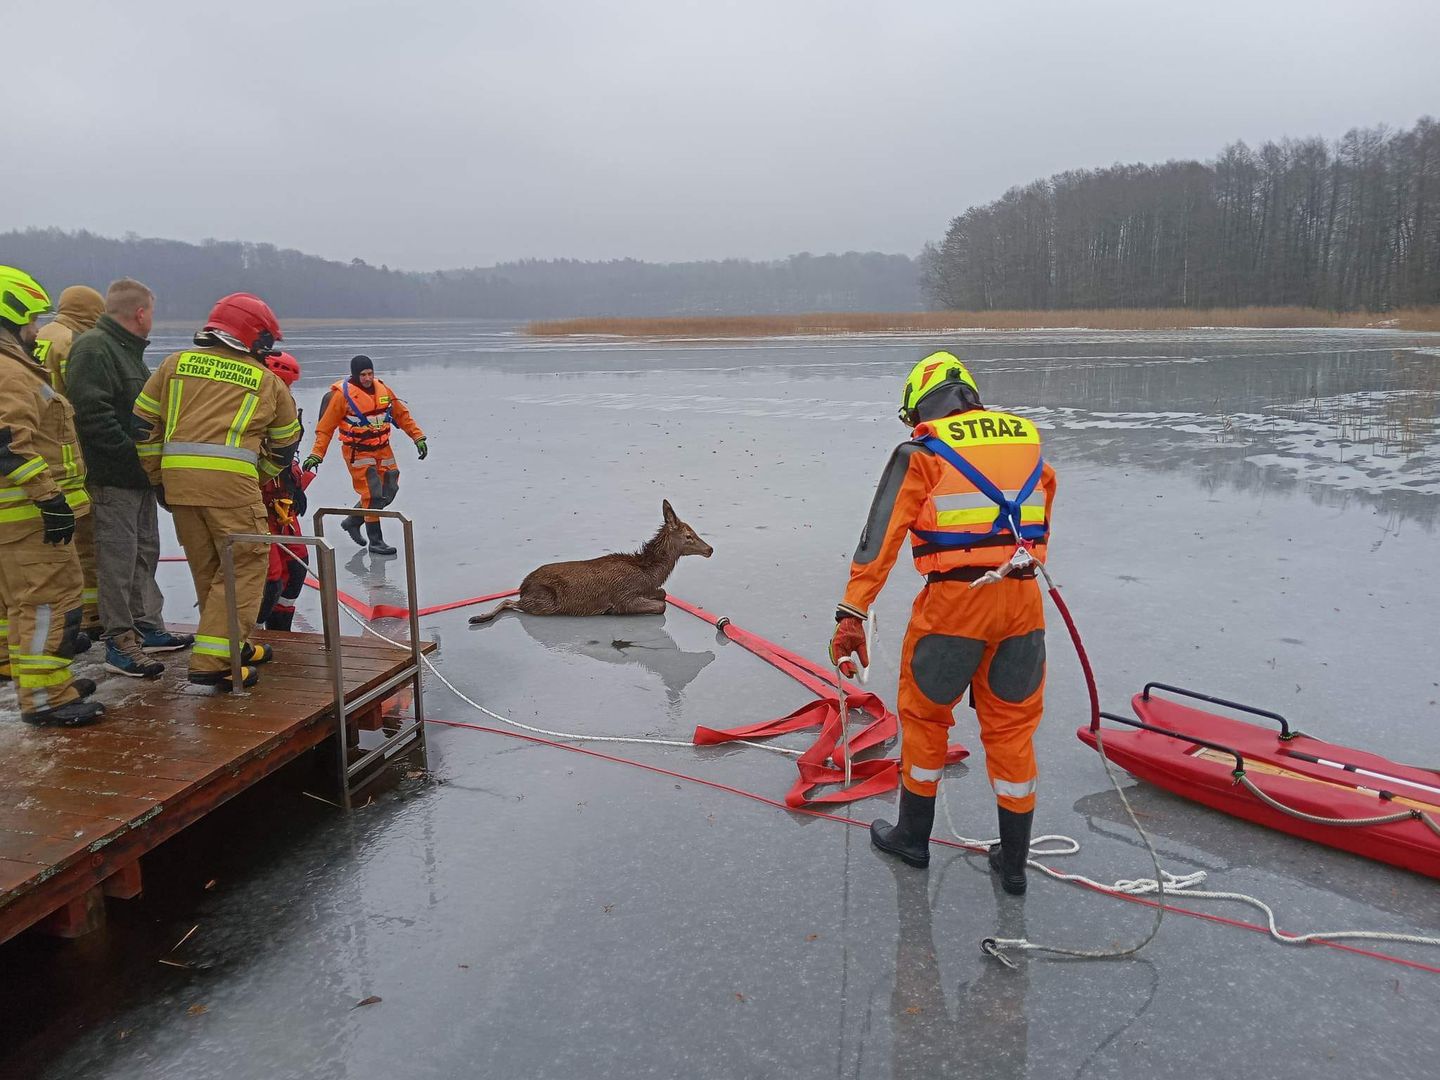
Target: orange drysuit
[363,419]
[991,638]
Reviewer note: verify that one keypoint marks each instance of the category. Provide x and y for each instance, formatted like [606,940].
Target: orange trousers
[374,475]
[991,640]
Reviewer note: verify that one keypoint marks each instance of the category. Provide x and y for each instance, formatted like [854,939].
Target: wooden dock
[79,808]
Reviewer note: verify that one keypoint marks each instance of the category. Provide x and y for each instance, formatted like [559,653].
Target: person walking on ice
[363,409]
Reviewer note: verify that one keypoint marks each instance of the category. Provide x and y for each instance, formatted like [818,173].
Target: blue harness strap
[1009,508]
[358,417]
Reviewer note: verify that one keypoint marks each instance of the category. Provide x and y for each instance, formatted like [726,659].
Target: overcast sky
[442,133]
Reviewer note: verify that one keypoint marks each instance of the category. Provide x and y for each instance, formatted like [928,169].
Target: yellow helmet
[22,299]
[935,371]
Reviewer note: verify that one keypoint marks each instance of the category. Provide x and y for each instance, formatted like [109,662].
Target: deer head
[687,539]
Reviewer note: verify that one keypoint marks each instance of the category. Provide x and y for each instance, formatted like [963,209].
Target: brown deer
[610,585]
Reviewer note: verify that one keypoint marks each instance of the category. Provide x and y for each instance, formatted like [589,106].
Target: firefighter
[971,489]
[80,307]
[42,493]
[363,409]
[285,503]
[214,422]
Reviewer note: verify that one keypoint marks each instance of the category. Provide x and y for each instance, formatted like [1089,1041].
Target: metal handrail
[416,728]
[330,626]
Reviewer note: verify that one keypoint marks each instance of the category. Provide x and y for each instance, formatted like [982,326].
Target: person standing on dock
[973,493]
[215,421]
[42,493]
[106,371]
[363,409]
[285,505]
[80,307]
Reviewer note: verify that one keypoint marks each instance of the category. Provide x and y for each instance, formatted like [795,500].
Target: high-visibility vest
[368,414]
[990,492]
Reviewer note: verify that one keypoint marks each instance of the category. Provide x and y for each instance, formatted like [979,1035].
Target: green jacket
[107,372]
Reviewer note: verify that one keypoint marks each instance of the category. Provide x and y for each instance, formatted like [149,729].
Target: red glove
[849,637]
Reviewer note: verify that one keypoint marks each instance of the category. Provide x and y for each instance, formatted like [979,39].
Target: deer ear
[670,518]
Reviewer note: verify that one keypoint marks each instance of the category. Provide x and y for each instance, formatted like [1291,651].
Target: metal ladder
[350,775]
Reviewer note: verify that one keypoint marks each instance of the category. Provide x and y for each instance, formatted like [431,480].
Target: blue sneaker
[123,656]
[164,641]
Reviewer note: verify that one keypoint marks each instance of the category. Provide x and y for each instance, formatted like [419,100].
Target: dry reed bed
[723,326]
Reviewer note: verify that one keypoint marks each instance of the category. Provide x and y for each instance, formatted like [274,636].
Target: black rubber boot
[248,677]
[83,687]
[71,714]
[908,838]
[1007,858]
[377,539]
[280,620]
[352,525]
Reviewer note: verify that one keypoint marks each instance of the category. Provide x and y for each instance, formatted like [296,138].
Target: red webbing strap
[873,777]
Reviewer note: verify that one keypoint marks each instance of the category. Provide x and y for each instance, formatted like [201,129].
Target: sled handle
[1239,760]
[1285,732]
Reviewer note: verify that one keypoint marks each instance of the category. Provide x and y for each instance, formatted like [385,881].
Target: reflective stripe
[148,404]
[213,464]
[925,776]
[91,596]
[1013,790]
[269,469]
[12,494]
[172,411]
[283,432]
[44,616]
[31,680]
[150,449]
[201,449]
[28,511]
[27,470]
[363,461]
[243,415]
[211,646]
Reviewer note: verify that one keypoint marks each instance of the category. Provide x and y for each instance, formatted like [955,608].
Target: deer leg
[538,600]
[638,605]
[658,594]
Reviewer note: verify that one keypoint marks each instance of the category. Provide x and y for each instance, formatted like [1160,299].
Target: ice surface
[1248,512]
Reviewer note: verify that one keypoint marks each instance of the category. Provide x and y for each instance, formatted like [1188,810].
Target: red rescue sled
[1200,755]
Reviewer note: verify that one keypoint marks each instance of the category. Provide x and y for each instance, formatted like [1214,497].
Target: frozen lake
[1252,513]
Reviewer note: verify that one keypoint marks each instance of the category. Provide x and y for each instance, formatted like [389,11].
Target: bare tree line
[1353,225]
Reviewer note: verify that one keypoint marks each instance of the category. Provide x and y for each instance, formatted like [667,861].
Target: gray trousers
[127,549]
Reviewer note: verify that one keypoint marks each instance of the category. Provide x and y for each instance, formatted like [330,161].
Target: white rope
[1163,881]
[569,735]
[1172,883]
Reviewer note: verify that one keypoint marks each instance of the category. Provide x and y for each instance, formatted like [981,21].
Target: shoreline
[837,323]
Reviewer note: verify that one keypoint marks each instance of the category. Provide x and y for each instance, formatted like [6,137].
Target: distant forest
[1353,225]
[188,278]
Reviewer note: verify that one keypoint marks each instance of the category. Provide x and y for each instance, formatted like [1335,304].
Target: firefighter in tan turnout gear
[215,423]
[42,492]
[80,307]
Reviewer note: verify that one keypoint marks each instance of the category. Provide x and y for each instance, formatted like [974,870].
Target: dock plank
[80,804]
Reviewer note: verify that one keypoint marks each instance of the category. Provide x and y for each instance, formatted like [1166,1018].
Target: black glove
[59,519]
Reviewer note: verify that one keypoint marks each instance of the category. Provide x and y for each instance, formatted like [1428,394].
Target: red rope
[777,804]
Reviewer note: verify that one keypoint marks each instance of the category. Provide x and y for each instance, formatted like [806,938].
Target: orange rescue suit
[364,419]
[989,639]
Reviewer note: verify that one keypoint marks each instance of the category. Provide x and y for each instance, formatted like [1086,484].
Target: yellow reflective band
[211,646]
[30,512]
[39,661]
[42,349]
[172,411]
[1029,515]
[242,419]
[12,494]
[979,428]
[219,369]
[147,404]
[269,469]
[91,596]
[77,498]
[27,470]
[152,449]
[28,681]
[284,432]
[191,461]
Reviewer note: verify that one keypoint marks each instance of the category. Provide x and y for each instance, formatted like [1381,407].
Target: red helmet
[284,365]
[244,321]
